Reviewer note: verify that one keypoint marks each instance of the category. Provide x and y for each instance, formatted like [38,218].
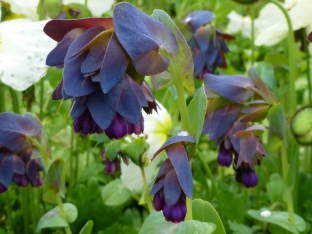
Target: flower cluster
[229,117]
[105,61]
[19,160]
[207,43]
[174,180]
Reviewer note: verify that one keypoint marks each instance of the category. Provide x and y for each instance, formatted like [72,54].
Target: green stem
[63,213]
[25,209]
[308,65]
[30,191]
[2,97]
[71,163]
[88,150]
[147,196]
[290,206]
[9,211]
[42,150]
[41,99]
[85,9]
[15,101]
[291,57]
[77,157]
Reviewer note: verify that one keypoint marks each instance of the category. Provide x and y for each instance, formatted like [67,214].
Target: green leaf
[301,125]
[279,218]
[115,193]
[99,138]
[275,188]
[266,71]
[53,7]
[87,228]
[182,60]
[136,151]
[277,122]
[156,224]
[203,211]
[276,59]
[162,80]
[112,148]
[238,228]
[196,113]
[53,219]
[54,182]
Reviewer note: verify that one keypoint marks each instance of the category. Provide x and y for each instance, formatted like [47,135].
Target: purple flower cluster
[105,61]
[207,42]
[174,181]
[18,156]
[236,103]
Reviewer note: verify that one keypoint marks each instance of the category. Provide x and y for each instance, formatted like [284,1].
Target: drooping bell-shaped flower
[207,42]
[174,180]
[19,160]
[104,72]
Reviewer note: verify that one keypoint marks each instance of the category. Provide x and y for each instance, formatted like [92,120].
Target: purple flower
[174,180]
[17,150]
[207,42]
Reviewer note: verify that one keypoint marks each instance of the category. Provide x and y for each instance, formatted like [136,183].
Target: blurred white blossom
[157,127]
[239,23]
[272,25]
[27,8]
[23,50]
[96,7]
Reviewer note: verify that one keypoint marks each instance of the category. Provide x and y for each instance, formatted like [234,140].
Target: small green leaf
[99,138]
[266,71]
[53,7]
[53,219]
[279,218]
[203,211]
[277,122]
[136,151]
[54,182]
[182,60]
[156,224]
[112,148]
[238,228]
[87,228]
[115,193]
[196,113]
[275,188]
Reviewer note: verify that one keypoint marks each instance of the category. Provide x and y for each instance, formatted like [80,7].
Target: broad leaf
[115,193]
[182,59]
[156,224]
[203,211]
[53,7]
[87,228]
[136,151]
[277,122]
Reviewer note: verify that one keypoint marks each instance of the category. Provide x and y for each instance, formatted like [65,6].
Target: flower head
[174,180]
[207,42]
[19,160]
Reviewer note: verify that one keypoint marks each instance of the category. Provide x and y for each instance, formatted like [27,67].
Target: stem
[41,98]
[291,57]
[71,163]
[41,148]
[2,98]
[63,213]
[9,211]
[290,206]
[308,64]
[85,8]
[147,196]
[25,209]
[88,151]
[77,157]
[15,102]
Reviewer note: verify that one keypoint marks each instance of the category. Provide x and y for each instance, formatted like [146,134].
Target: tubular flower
[207,42]
[19,160]
[103,74]
[174,180]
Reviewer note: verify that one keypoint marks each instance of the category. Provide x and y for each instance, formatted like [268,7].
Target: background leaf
[115,193]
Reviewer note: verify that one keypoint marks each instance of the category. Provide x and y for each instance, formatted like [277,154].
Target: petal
[199,62]
[94,60]
[103,106]
[57,93]
[233,88]
[159,183]
[19,167]
[199,18]
[75,83]
[6,170]
[165,168]
[57,29]
[172,188]
[179,159]
[57,55]
[248,147]
[79,106]
[13,131]
[114,64]
[142,36]
[129,106]
[202,36]
[31,170]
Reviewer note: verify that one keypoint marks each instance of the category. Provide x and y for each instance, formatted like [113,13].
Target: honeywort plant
[109,68]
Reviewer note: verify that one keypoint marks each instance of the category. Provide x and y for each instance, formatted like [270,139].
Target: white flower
[96,7]
[239,23]
[23,50]
[27,8]
[157,127]
[272,25]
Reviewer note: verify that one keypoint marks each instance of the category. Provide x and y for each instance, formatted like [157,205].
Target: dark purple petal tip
[177,212]
[21,180]
[250,179]
[111,167]
[225,156]
[159,200]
